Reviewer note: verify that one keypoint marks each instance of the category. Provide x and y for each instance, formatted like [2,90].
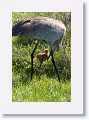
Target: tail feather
[19,28]
[16,28]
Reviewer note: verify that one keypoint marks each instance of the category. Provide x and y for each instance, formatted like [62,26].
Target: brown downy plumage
[42,56]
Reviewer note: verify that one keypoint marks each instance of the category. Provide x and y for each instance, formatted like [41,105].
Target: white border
[76,104]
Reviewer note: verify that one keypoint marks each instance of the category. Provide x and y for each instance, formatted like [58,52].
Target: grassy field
[45,86]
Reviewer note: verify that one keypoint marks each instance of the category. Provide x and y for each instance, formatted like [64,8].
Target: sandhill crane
[42,28]
[42,56]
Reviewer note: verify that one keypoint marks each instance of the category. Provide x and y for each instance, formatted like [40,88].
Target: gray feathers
[41,28]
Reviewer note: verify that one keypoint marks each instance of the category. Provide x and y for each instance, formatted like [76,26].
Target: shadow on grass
[23,40]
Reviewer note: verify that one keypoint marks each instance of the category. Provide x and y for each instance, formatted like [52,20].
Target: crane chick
[42,56]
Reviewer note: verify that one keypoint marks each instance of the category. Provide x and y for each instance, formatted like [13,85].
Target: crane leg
[53,61]
[32,56]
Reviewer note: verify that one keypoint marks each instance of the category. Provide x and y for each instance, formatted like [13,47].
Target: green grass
[45,86]
[43,90]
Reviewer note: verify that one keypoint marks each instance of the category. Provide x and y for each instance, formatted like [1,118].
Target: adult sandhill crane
[42,28]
